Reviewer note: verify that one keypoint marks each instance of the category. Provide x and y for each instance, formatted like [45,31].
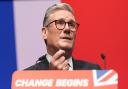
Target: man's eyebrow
[61,19]
[71,20]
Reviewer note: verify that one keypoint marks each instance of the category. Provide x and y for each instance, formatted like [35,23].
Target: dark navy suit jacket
[43,64]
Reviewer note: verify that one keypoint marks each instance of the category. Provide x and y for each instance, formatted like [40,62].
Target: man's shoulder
[82,64]
[41,64]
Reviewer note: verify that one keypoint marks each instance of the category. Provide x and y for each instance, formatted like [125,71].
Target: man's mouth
[67,38]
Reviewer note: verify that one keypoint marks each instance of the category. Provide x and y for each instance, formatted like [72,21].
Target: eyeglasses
[60,24]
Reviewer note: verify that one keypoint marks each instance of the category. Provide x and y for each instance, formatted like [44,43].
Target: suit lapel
[44,64]
[75,64]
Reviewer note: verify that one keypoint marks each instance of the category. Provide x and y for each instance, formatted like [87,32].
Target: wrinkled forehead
[62,14]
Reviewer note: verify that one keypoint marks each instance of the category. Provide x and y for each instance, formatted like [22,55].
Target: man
[59,32]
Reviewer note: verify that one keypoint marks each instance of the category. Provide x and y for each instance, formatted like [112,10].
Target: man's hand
[58,61]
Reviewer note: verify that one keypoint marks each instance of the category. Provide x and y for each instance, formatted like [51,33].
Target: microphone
[103,57]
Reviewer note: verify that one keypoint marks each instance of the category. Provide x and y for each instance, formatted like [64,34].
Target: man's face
[60,39]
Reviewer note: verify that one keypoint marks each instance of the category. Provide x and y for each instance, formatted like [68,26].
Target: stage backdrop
[103,29]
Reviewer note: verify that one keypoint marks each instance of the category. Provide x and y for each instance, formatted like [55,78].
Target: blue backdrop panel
[7,44]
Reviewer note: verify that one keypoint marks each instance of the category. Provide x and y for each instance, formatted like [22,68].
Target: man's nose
[67,27]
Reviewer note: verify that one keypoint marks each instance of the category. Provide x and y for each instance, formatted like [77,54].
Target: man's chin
[66,47]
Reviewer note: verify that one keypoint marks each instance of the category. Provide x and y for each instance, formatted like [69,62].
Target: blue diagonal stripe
[101,72]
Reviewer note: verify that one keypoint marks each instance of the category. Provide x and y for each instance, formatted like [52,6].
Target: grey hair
[56,7]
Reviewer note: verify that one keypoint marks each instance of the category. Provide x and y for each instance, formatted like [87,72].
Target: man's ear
[44,32]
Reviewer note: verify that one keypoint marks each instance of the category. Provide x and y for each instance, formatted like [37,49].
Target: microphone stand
[103,57]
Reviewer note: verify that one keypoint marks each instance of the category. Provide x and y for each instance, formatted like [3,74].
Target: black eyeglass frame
[75,28]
